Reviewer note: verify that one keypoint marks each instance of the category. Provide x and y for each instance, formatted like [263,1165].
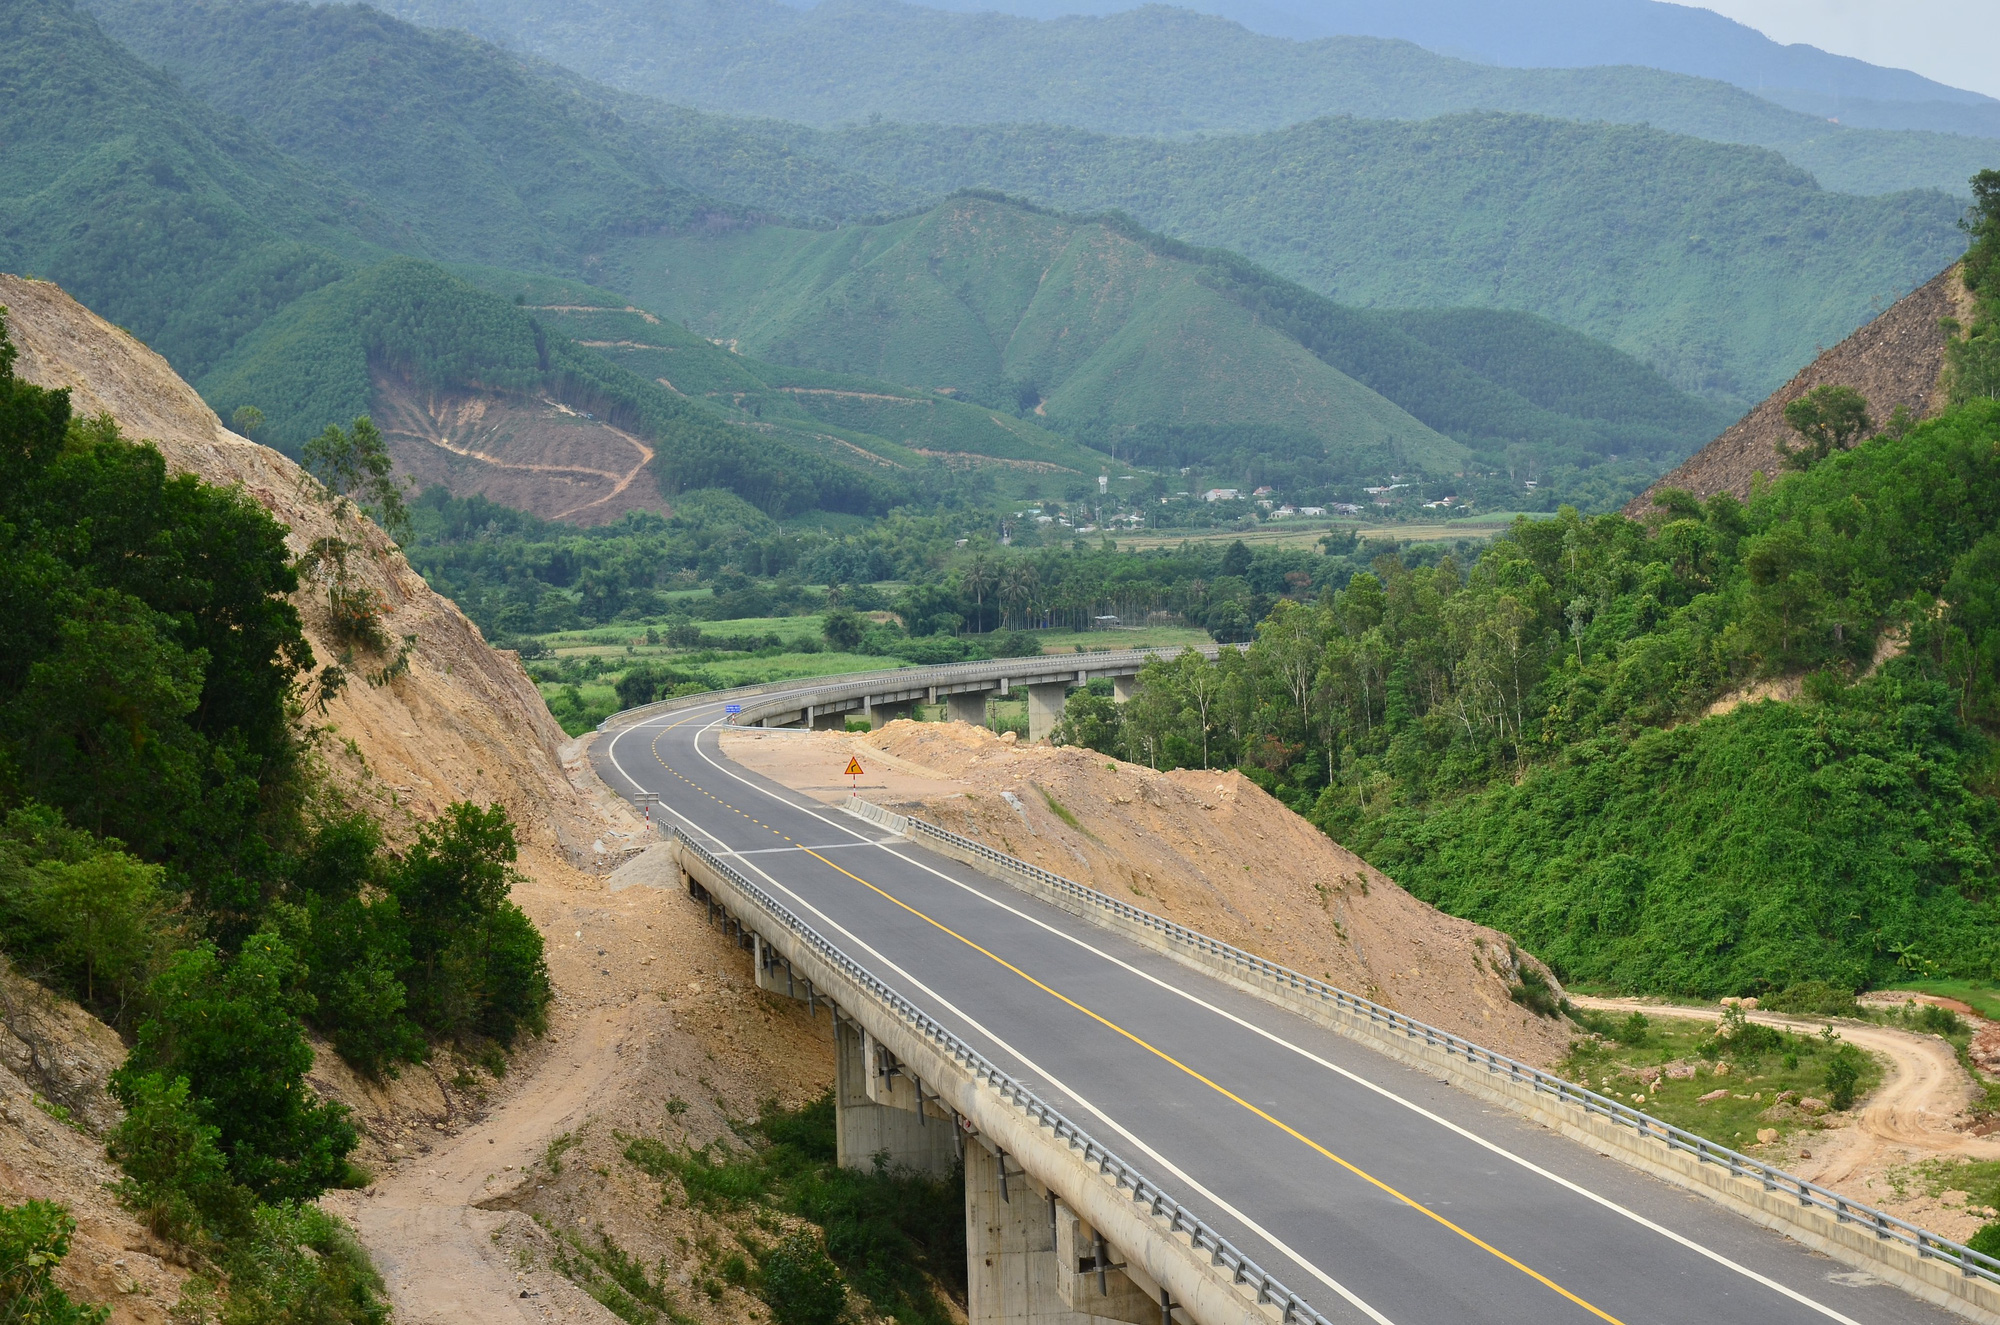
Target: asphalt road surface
[1378,1192]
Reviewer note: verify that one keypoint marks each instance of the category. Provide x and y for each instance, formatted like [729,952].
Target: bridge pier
[1045,706]
[880,715]
[1123,688]
[967,706]
[825,721]
[875,1111]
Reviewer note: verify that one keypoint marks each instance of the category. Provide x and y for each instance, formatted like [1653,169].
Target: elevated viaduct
[1155,1127]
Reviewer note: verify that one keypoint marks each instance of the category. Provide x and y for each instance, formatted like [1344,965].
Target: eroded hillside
[1896,360]
[1209,849]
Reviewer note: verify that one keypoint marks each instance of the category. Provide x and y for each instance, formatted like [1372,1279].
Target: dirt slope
[1211,850]
[464,722]
[529,453]
[1894,360]
[651,1004]
[54,1062]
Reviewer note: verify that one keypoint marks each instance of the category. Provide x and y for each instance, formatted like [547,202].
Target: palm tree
[979,578]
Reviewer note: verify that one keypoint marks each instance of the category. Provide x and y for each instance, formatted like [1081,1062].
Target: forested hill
[1148,70]
[1164,354]
[1545,34]
[1722,266]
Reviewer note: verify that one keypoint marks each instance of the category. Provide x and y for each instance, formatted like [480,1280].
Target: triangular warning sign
[853,768]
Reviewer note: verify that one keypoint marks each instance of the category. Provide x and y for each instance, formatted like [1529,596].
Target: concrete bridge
[826,703]
[1240,1115]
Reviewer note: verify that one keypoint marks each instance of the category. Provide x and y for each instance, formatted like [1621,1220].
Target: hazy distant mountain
[1148,71]
[1574,33]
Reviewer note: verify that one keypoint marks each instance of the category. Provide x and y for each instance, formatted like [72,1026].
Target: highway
[1378,1192]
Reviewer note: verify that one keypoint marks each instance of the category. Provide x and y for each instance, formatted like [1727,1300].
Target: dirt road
[1917,1113]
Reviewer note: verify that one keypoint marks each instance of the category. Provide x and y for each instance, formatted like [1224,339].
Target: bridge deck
[1321,1159]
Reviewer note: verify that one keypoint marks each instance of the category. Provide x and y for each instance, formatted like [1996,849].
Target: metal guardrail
[1144,1191]
[1884,1225]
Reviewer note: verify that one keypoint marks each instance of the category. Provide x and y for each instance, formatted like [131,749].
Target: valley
[1387,651]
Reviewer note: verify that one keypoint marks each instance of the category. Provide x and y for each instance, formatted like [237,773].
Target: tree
[843,629]
[356,464]
[1830,418]
[247,420]
[230,1029]
[476,963]
[1236,561]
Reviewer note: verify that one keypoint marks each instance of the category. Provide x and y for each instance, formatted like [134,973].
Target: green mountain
[476,158]
[1152,70]
[1722,266]
[1158,352]
[147,204]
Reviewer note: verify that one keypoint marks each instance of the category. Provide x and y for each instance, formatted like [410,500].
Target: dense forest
[171,858]
[1723,750]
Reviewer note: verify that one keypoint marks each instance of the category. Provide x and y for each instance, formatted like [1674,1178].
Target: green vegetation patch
[1726,1082]
[897,1237]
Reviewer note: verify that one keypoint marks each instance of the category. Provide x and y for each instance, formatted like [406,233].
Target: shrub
[1533,992]
[175,1176]
[34,1238]
[843,629]
[1014,644]
[801,1282]
[1986,1240]
[1815,997]
[1843,1075]
[230,1029]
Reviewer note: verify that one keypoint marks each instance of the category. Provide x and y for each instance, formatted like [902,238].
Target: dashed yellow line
[1161,1054]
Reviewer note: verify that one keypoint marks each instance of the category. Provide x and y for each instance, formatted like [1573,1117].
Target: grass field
[1306,533]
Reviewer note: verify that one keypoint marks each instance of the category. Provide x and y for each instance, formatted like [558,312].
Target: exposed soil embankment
[522,451]
[651,1005]
[1897,359]
[463,722]
[1210,850]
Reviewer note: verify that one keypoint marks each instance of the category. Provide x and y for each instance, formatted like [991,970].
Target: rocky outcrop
[1897,359]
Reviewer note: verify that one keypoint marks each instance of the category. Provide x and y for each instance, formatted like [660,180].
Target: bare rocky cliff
[464,722]
[1895,360]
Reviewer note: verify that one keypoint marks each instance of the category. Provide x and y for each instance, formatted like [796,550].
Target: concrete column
[829,722]
[774,974]
[881,715]
[967,706]
[1045,706]
[1091,1276]
[1012,1275]
[1123,687]
[864,1127]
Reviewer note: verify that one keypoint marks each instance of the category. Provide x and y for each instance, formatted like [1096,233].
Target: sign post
[853,771]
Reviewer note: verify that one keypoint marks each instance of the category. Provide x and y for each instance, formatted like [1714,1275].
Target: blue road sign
[732,708]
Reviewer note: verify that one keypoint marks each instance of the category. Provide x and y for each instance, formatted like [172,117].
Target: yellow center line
[1166,1057]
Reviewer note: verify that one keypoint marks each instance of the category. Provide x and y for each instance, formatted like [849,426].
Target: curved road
[1378,1192]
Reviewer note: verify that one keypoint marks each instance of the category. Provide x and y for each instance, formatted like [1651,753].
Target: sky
[1952,41]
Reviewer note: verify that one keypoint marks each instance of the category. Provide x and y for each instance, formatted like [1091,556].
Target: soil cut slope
[464,722]
[1210,850]
[1895,360]
[655,1029]
[522,451]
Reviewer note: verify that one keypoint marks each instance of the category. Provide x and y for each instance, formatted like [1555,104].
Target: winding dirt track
[1916,1113]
